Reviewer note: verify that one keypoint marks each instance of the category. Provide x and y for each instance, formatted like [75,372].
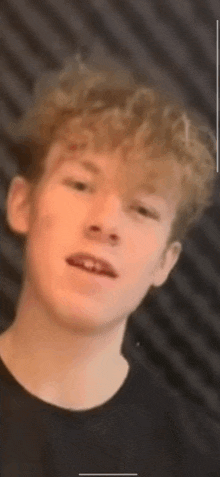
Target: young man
[99,208]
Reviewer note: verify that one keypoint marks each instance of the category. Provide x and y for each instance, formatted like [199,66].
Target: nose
[104,221]
[100,234]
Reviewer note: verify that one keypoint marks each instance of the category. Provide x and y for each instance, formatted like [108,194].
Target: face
[68,202]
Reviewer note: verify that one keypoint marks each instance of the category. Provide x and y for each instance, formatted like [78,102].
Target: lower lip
[102,280]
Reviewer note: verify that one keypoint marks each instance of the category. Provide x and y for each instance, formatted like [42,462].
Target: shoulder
[173,414]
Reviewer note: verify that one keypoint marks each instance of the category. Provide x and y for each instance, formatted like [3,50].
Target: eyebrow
[89,166]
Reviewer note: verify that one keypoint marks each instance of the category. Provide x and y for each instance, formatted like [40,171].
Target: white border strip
[217,93]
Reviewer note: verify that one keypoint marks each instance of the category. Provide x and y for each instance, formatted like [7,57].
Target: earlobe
[167,264]
[17,205]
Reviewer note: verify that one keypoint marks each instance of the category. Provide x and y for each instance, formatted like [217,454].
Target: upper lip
[108,267]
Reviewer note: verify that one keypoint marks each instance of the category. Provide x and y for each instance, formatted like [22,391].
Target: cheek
[151,243]
[47,223]
[143,257]
[52,208]
[54,221]
[46,219]
[42,236]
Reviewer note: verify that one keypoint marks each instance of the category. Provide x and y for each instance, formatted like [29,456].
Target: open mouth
[91,270]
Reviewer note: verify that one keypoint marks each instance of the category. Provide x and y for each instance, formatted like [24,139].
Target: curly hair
[116,112]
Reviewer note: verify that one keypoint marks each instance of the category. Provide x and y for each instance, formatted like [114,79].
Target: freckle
[73,147]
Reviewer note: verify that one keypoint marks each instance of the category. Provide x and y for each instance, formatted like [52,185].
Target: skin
[64,345]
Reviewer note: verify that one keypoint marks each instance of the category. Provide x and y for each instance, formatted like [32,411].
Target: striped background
[169,43]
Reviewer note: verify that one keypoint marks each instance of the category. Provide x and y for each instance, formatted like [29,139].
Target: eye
[147,213]
[79,185]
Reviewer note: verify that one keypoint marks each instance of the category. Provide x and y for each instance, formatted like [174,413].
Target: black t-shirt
[138,431]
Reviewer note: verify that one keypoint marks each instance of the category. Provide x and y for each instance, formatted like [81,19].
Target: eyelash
[146,211]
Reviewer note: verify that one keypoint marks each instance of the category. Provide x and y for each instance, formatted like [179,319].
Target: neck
[51,359]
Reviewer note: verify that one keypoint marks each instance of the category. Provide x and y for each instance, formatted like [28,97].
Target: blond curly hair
[115,111]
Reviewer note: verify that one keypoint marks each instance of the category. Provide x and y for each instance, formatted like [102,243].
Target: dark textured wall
[171,44]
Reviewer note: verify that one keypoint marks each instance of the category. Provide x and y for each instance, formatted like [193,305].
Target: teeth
[88,263]
[91,265]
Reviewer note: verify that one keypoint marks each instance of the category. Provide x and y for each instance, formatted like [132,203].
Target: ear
[167,262]
[18,206]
